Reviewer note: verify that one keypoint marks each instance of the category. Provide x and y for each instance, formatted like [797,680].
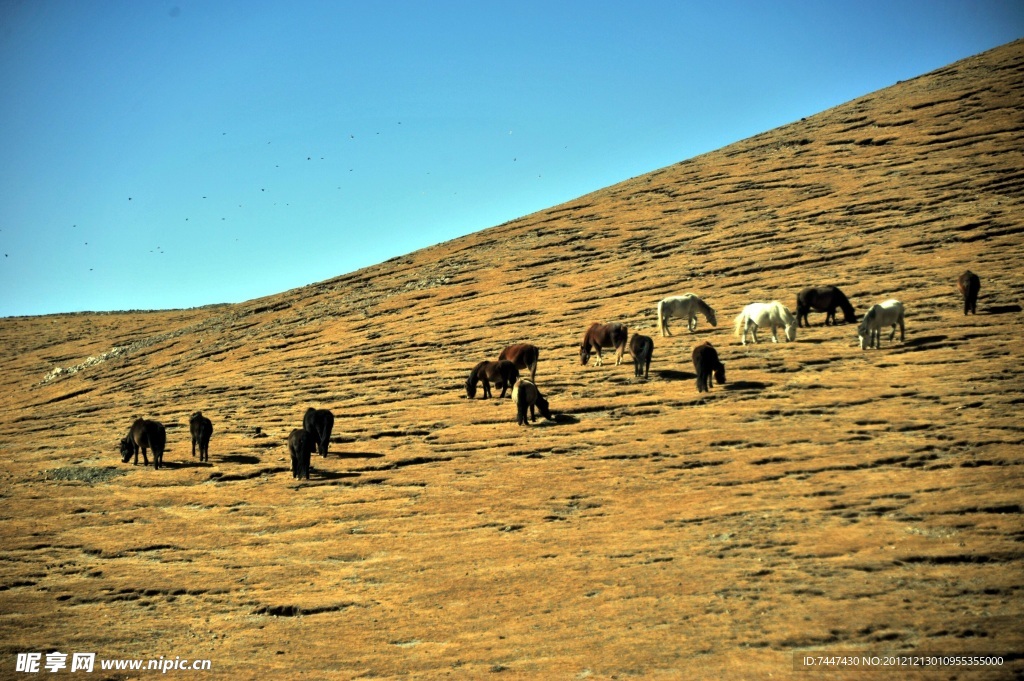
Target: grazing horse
[888,313]
[202,430]
[526,396]
[141,435]
[524,356]
[503,373]
[773,314]
[319,423]
[599,336]
[706,362]
[685,307]
[642,349]
[969,284]
[301,444]
[823,299]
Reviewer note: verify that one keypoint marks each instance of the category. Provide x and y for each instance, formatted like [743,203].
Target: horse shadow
[322,474]
[1001,309]
[673,375]
[924,340]
[239,458]
[556,420]
[745,385]
[358,455]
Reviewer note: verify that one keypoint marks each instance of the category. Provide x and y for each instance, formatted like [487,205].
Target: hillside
[825,499]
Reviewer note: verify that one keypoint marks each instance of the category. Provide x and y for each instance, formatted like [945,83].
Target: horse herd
[317,424]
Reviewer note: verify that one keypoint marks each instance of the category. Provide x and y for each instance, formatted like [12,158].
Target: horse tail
[741,322]
[661,318]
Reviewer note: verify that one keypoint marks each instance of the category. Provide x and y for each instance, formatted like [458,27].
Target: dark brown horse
[823,299]
[642,349]
[527,398]
[503,373]
[201,429]
[706,362]
[524,356]
[142,435]
[969,284]
[301,444]
[599,336]
[319,423]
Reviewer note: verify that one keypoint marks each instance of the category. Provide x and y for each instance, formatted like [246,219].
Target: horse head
[720,374]
[127,449]
[584,353]
[471,386]
[710,314]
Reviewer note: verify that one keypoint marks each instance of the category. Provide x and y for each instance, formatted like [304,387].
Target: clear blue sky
[176,153]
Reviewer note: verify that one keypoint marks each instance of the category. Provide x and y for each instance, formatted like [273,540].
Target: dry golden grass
[825,499]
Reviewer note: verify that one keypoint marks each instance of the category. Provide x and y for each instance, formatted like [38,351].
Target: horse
[526,396]
[523,355]
[301,444]
[202,430]
[319,423]
[141,435]
[823,299]
[599,336]
[969,284]
[756,315]
[642,349]
[706,362]
[503,373]
[888,313]
[685,307]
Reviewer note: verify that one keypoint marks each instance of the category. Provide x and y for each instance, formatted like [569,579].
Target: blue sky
[167,154]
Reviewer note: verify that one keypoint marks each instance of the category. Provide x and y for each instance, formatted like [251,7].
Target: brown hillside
[826,499]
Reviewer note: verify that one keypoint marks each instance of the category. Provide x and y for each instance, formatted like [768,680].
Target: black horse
[142,435]
[969,284]
[706,362]
[823,299]
[642,349]
[202,430]
[301,444]
[319,423]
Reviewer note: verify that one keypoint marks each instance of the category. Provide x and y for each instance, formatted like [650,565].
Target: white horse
[685,307]
[888,313]
[773,314]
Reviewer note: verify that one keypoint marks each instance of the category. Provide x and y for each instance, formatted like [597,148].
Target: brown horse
[503,373]
[642,349]
[141,435]
[524,356]
[969,284]
[823,299]
[706,362]
[599,336]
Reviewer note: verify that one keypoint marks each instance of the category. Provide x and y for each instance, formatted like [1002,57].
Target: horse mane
[844,303]
[705,309]
[784,313]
